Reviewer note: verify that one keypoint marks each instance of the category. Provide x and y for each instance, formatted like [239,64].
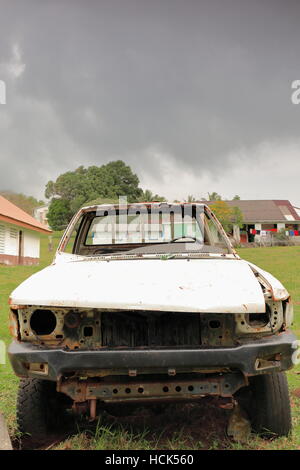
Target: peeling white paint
[278,291]
[196,285]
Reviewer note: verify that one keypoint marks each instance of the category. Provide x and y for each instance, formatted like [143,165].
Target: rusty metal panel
[116,390]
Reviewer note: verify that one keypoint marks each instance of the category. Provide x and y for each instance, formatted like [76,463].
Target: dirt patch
[296,393]
[197,425]
[191,424]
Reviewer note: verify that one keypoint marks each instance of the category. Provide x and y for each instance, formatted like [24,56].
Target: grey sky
[194,95]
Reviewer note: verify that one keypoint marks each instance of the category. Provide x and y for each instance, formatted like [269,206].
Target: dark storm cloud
[197,81]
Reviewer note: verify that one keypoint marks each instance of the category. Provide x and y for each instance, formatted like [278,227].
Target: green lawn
[181,427]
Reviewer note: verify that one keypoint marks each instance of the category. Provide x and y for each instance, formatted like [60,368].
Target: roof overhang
[10,220]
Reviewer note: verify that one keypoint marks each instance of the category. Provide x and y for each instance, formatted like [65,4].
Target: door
[21,251]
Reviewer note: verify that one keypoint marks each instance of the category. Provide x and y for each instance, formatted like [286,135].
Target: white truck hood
[195,285]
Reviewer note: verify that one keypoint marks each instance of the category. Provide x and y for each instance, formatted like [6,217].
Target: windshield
[152,230]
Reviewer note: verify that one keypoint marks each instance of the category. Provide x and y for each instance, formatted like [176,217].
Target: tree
[227,215]
[102,200]
[237,216]
[27,203]
[69,185]
[76,188]
[190,198]
[236,198]
[111,180]
[148,196]
[59,214]
[223,213]
[214,197]
[121,181]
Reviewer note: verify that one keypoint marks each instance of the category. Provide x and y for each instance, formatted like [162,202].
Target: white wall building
[41,213]
[262,218]
[19,235]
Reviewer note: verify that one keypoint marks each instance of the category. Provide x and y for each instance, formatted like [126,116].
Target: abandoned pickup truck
[147,304]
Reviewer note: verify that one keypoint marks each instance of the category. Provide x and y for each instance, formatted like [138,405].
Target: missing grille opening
[154,329]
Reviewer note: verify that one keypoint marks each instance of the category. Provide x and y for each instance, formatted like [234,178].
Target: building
[262,218]
[40,214]
[19,235]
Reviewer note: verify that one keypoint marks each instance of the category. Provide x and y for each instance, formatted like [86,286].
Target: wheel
[268,405]
[39,408]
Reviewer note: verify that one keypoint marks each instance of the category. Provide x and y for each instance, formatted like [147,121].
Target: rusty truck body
[150,303]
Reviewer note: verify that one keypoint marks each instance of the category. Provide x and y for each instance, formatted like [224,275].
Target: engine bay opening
[259,320]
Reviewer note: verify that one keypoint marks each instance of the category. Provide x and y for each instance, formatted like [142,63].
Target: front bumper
[273,353]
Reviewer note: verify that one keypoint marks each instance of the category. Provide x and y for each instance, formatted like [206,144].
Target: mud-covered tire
[270,408]
[39,408]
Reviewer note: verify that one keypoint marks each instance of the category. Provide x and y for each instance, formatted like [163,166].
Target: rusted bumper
[151,390]
[274,353]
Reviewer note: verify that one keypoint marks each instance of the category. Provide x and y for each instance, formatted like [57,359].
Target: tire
[39,408]
[270,409]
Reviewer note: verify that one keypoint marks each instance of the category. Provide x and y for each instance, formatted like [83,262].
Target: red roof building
[19,235]
[264,217]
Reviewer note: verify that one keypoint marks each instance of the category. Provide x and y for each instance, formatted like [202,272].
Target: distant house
[19,235]
[40,214]
[264,217]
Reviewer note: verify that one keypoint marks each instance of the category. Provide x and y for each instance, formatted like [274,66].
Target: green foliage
[227,215]
[237,216]
[214,196]
[236,198]
[148,196]
[102,200]
[191,198]
[223,212]
[76,188]
[121,181]
[84,184]
[50,189]
[280,238]
[281,235]
[27,203]
[59,214]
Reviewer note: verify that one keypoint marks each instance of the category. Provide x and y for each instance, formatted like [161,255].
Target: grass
[200,426]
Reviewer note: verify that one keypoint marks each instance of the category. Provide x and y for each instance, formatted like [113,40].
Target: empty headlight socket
[42,324]
[269,321]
